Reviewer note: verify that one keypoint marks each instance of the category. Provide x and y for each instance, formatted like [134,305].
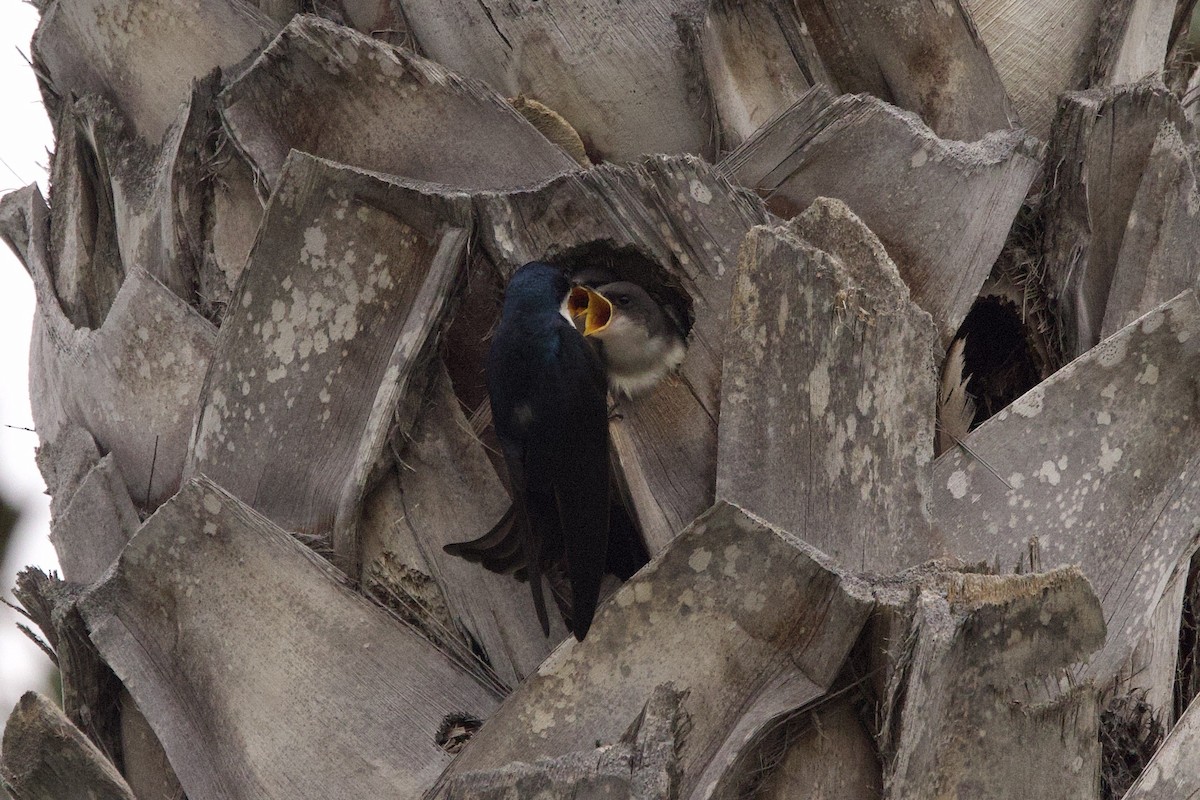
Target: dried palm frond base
[1129,735]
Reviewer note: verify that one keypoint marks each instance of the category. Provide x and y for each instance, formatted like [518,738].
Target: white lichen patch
[700,193]
[731,556]
[700,560]
[1049,473]
[1109,456]
[1148,376]
[1153,321]
[1030,404]
[543,718]
[212,504]
[957,484]
[643,592]
[754,601]
[1111,352]
[1103,418]
[818,388]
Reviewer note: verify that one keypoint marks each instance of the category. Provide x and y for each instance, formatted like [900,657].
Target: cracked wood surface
[942,208]
[743,618]
[625,75]
[337,94]
[921,56]
[828,393]
[347,281]
[261,673]
[1095,466]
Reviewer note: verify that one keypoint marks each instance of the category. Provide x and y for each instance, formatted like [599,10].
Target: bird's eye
[623,300]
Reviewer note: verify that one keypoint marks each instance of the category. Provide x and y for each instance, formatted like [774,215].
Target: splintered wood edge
[43,751]
[974,589]
[424,319]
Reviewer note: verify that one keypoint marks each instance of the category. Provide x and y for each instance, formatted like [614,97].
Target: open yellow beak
[593,307]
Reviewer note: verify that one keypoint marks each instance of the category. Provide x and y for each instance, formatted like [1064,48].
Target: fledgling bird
[640,341]
[550,411]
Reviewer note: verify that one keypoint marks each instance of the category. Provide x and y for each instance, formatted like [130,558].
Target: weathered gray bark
[827,393]
[641,765]
[742,657]
[942,208]
[143,57]
[333,93]
[758,59]
[45,757]
[131,382]
[625,75]
[278,244]
[1119,219]
[326,329]
[963,718]
[1086,451]
[924,57]
[217,621]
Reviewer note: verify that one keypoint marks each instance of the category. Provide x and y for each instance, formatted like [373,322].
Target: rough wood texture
[86,268]
[131,383]
[90,691]
[1153,665]
[262,675]
[1134,37]
[45,757]
[625,75]
[143,761]
[942,208]
[100,518]
[743,618]
[142,56]
[642,765]
[758,59]
[1161,247]
[157,193]
[830,757]
[1108,143]
[672,224]
[828,393]
[347,280]
[961,717]
[1172,774]
[921,56]
[64,463]
[236,213]
[1095,466]
[335,93]
[1040,50]
[450,493]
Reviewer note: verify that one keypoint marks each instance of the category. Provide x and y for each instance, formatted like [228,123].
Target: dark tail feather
[498,550]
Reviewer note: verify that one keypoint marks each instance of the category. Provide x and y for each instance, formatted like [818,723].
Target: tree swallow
[641,342]
[550,411]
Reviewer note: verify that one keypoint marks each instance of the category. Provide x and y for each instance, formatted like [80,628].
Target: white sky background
[24,140]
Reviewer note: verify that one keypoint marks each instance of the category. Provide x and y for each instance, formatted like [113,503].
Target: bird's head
[536,287]
[608,310]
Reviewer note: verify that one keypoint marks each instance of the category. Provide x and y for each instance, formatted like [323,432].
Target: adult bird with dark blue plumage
[549,408]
